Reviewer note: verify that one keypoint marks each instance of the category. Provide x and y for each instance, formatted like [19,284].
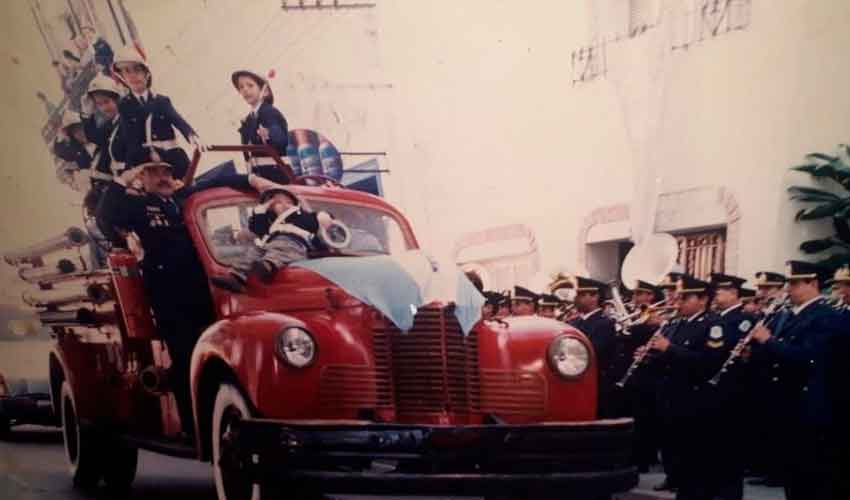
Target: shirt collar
[147,94]
[730,309]
[256,110]
[695,316]
[591,313]
[798,309]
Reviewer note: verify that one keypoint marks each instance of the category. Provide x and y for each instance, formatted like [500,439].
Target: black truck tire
[83,447]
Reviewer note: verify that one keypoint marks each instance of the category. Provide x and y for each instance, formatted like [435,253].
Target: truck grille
[432,369]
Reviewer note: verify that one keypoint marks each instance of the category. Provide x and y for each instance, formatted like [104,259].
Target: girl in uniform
[148,119]
[265,124]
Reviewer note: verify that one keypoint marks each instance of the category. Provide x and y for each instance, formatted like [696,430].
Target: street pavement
[33,467]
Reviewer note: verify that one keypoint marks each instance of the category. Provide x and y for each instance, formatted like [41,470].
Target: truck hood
[398,285]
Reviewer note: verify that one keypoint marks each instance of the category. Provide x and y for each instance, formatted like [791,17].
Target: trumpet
[644,312]
[776,305]
[639,360]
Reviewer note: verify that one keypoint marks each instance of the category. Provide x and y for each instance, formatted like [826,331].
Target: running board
[164,446]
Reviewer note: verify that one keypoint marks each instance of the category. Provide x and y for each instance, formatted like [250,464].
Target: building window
[703,253]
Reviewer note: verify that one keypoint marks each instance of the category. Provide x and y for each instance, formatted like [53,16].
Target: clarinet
[640,359]
[772,310]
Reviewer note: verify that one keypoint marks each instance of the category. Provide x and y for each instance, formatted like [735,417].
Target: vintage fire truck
[300,388]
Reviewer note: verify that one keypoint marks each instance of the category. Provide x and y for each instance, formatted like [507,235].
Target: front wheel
[82,447]
[231,479]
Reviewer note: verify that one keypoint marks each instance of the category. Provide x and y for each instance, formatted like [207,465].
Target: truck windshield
[373,231]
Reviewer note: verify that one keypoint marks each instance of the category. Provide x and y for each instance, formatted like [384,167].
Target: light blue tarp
[398,285]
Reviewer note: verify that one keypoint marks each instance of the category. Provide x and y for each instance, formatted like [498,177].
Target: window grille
[703,253]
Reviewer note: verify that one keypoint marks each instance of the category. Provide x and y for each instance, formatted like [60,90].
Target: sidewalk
[644,490]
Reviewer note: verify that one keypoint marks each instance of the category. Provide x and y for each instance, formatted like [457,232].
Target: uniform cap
[267,194]
[589,285]
[747,294]
[842,275]
[798,269]
[690,284]
[644,286]
[104,84]
[548,300]
[521,293]
[127,56]
[670,281]
[260,81]
[768,278]
[719,280]
[70,118]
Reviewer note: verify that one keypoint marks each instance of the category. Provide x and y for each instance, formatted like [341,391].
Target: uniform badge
[745,326]
[716,333]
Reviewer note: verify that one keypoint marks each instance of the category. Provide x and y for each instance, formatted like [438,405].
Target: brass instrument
[639,360]
[776,305]
[645,311]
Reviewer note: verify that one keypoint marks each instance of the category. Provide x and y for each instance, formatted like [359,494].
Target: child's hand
[325,219]
[263,132]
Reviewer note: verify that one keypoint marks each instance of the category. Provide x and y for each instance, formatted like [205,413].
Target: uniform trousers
[182,308]
[277,251]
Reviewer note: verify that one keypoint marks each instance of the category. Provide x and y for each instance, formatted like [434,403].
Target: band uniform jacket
[600,329]
[164,118]
[272,119]
[800,357]
[72,151]
[698,348]
[101,135]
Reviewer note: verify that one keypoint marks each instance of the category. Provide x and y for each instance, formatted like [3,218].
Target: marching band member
[601,331]
[265,124]
[148,119]
[768,285]
[523,302]
[751,304]
[841,287]
[692,352]
[547,305]
[804,356]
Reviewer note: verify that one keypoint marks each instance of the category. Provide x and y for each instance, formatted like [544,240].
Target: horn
[74,237]
[337,236]
[44,274]
[651,260]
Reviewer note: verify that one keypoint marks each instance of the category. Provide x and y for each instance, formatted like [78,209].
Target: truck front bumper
[564,458]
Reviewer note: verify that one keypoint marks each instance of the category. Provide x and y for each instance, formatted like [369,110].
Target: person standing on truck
[103,95]
[601,330]
[148,119]
[174,278]
[265,124]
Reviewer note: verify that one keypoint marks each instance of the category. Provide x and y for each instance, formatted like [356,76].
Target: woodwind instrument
[639,360]
[775,306]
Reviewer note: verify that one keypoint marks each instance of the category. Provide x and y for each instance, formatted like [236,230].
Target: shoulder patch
[716,332]
[714,344]
[745,325]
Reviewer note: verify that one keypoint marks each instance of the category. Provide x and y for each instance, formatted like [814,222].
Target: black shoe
[665,486]
[229,282]
[263,270]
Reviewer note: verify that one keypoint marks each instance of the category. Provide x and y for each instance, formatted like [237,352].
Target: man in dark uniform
[807,360]
[769,285]
[640,393]
[523,302]
[70,146]
[687,359]
[174,278]
[547,305]
[750,304]
[737,394]
[601,330]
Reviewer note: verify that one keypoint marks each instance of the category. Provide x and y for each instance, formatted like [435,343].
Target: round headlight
[568,356]
[295,346]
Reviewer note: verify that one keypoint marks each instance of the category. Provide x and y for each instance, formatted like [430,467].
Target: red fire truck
[298,387]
